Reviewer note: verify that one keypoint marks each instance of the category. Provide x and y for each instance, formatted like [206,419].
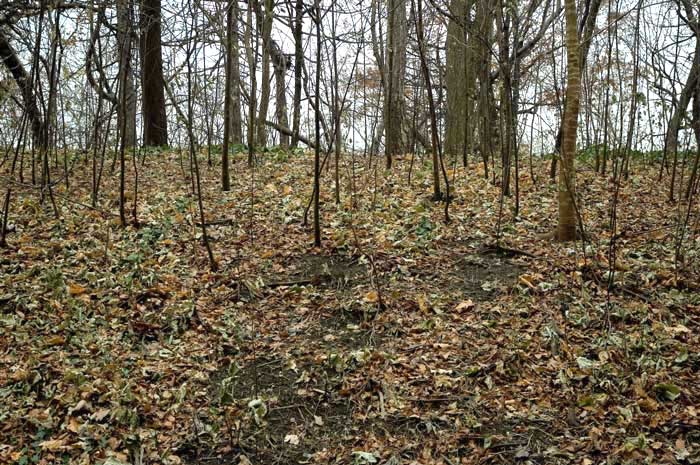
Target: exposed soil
[476,276]
[481,276]
[301,410]
[305,398]
[306,408]
[320,270]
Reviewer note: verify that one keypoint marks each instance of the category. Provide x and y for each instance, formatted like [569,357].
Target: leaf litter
[401,340]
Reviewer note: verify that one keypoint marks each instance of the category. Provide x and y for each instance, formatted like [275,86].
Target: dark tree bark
[228,107]
[155,122]
[679,114]
[10,59]
[484,25]
[317,122]
[298,68]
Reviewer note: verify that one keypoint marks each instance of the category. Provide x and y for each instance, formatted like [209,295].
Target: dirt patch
[476,276]
[481,276]
[288,407]
[346,331]
[286,411]
[322,271]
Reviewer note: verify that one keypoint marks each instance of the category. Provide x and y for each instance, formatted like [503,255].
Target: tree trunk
[298,59]
[506,130]
[280,63]
[695,123]
[265,18]
[484,22]
[679,112]
[236,118]
[397,36]
[458,80]
[10,59]
[126,73]
[585,31]
[228,106]
[317,123]
[635,90]
[437,192]
[566,230]
[155,123]
[252,57]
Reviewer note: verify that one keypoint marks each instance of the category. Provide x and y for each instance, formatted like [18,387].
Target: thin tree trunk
[228,90]
[280,63]
[10,59]
[635,87]
[397,36]
[236,118]
[437,193]
[566,230]
[124,39]
[298,68]
[265,17]
[317,121]
[336,106]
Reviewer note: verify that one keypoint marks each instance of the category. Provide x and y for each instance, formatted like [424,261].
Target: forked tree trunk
[678,115]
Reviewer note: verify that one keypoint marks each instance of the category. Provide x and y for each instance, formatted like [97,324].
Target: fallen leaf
[56,340]
[465,305]
[668,391]
[53,444]
[76,289]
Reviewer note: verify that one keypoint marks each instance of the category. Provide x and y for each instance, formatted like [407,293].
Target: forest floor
[402,339]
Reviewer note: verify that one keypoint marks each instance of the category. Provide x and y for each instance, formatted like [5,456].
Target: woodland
[349,232]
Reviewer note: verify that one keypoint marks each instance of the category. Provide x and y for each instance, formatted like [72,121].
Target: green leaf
[668,391]
[682,357]
[472,371]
